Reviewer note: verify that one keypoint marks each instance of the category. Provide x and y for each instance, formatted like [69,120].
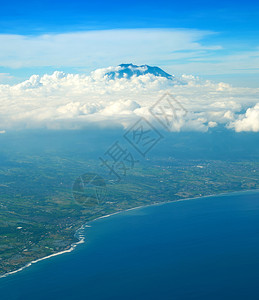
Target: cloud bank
[73,101]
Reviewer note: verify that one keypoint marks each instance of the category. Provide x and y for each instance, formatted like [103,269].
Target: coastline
[81,239]
[72,247]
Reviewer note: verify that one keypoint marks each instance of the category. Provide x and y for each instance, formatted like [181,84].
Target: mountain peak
[129,70]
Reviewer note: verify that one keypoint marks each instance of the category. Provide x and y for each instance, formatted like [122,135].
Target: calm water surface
[207,248]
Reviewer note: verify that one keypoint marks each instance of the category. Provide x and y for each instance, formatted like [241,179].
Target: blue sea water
[205,248]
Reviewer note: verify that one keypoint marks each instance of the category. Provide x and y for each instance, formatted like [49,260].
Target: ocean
[204,248]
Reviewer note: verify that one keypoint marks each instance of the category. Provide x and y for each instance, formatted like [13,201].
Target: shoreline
[81,239]
[72,247]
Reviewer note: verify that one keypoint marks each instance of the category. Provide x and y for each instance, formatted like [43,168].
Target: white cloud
[235,62]
[249,121]
[74,101]
[91,49]
[212,124]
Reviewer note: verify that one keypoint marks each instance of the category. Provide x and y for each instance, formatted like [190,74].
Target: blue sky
[30,17]
[237,18]
[228,36]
